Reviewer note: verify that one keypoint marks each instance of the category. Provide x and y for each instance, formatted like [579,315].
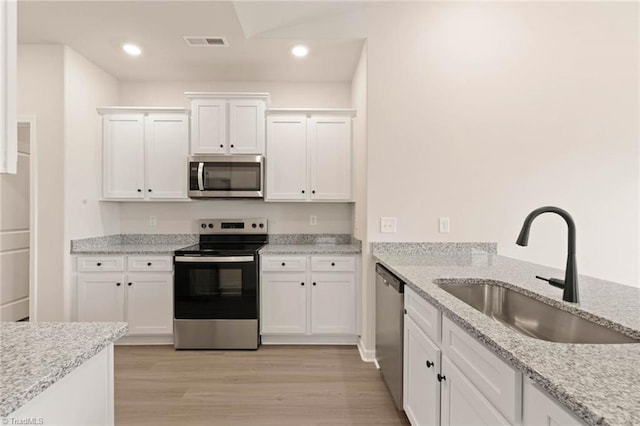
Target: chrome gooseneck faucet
[570,283]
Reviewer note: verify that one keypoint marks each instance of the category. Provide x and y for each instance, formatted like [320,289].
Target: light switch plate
[388,224]
[444,225]
[313,220]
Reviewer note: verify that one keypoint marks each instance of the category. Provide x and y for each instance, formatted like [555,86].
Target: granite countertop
[114,249]
[599,383]
[156,244]
[36,355]
[311,249]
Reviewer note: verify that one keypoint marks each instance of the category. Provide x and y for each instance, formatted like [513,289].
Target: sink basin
[530,316]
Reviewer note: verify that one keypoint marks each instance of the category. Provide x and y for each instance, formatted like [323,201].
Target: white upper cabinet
[144,153]
[8,83]
[167,139]
[287,158]
[309,155]
[228,123]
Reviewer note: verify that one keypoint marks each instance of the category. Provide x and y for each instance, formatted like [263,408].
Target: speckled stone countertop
[311,244]
[157,244]
[599,383]
[33,356]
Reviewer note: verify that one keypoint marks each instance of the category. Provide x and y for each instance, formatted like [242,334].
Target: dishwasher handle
[389,278]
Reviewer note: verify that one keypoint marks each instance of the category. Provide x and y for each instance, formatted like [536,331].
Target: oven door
[216,288]
[233,176]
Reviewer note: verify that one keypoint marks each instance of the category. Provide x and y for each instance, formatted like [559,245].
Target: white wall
[483,111]
[359,102]
[283,217]
[40,93]
[86,87]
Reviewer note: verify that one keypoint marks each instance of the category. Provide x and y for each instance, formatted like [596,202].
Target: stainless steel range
[216,286]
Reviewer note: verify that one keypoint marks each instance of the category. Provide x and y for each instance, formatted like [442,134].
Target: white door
[208,126]
[286,158]
[246,126]
[100,297]
[283,307]
[333,303]
[150,303]
[123,156]
[421,366]
[462,403]
[330,158]
[167,148]
[14,234]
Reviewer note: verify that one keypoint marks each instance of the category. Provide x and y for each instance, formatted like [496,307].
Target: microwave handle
[200,176]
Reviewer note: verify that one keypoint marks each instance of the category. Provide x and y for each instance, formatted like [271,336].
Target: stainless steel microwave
[226,176]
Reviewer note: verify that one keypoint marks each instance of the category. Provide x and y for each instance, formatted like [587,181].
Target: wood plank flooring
[275,385]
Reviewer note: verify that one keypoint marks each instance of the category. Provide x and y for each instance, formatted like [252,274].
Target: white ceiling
[260,35]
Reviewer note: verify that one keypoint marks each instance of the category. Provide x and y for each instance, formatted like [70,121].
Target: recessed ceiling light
[131,49]
[300,51]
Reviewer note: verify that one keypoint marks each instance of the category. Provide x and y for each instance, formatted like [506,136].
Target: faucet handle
[553,281]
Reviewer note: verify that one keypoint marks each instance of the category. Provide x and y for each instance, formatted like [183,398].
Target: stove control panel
[232,226]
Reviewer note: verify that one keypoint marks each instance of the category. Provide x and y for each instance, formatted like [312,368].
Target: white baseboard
[367,355]
[279,339]
[15,311]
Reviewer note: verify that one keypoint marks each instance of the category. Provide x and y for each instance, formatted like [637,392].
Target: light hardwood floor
[275,385]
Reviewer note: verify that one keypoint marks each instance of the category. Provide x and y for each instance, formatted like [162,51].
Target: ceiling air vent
[206,41]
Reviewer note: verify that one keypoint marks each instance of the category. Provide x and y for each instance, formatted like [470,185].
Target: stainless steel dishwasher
[389,330]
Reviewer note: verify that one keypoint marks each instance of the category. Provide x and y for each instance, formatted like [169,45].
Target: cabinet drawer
[423,313]
[284,263]
[496,380]
[100,263]
[150,263]
[333,263]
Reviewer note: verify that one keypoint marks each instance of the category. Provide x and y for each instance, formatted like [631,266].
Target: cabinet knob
[129,284]
[231,146]
[441,377]
[301,283]
[149,264]
[98,264]
[333,263]
[283,263]
[314,283]
[221,146]
[139,190]
[118,284]
[429,364]
[149,190]
[303,191]
[313,192]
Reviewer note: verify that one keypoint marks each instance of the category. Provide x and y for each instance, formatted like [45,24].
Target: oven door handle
[213,259]
[200,176]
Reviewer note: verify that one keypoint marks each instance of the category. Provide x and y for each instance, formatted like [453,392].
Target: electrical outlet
[152,221]
[444,225]
[313,220]
[388,224]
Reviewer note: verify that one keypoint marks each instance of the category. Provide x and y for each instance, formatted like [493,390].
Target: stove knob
[211,225]
[203,226]
[253,225]
[261,225]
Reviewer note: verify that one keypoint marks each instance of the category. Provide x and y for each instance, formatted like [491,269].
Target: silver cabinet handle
[213,259]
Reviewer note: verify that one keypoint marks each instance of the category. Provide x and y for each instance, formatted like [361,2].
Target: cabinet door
[421,366]
[287,158]
[246,126]
[462,403]
[333,303]
[150,303]
[330,158]
[167,147]
[539,409]
[283,307]
[208,126]
[123,156]
[100,297]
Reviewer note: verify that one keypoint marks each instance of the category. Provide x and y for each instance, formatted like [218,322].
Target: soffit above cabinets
[98,29]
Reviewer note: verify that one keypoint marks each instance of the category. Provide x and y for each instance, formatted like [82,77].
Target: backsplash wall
[284,218]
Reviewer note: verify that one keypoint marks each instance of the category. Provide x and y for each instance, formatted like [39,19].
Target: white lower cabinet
[452,379]
[143,299]
[305,306]
[538,409]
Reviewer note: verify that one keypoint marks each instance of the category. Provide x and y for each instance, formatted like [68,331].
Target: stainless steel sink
[530,316]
